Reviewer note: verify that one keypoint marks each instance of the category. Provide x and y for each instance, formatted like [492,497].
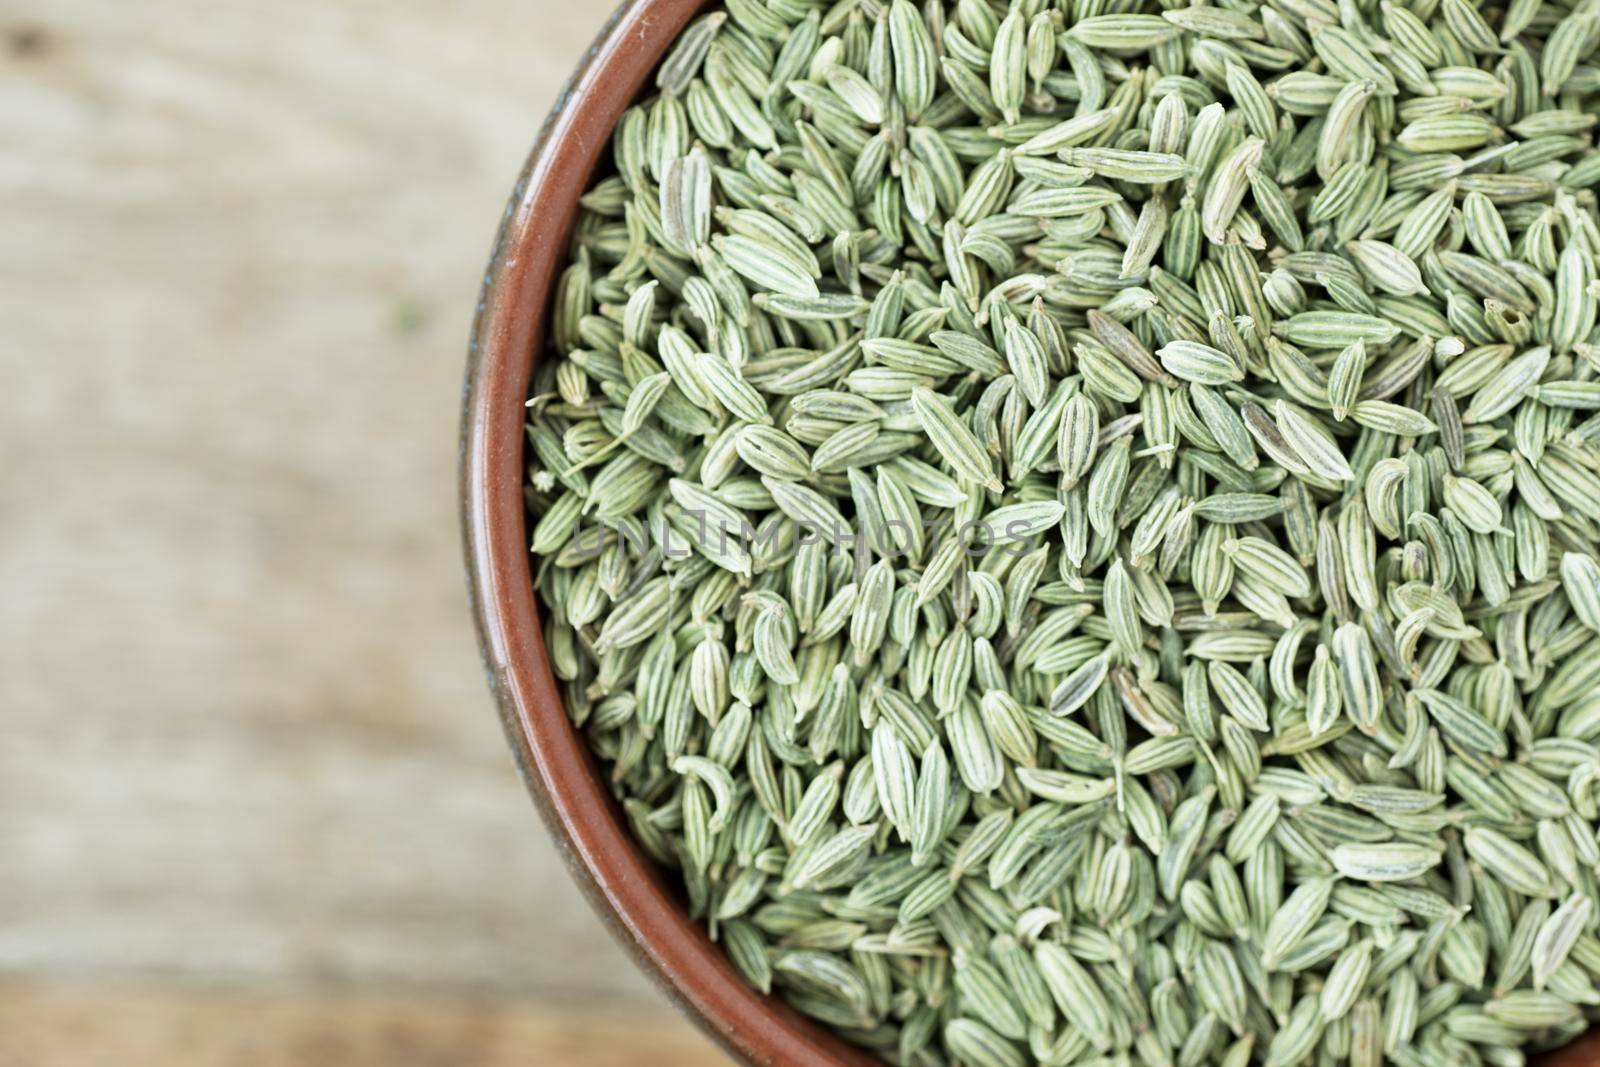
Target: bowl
[632,895]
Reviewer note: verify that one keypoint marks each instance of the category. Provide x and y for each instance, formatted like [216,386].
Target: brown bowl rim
[629,892]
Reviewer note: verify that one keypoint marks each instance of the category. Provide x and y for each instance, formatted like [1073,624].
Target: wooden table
[254,803]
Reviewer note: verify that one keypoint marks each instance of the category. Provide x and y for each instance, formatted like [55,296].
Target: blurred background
[255,806]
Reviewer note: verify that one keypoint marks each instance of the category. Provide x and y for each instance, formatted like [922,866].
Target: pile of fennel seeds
[1073,525]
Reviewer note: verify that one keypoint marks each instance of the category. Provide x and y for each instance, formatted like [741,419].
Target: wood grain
[245,736]
[64,1026]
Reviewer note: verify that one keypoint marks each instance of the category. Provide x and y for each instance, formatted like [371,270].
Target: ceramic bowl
[636,898]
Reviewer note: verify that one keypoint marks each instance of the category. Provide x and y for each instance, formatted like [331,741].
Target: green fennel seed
[1074,526]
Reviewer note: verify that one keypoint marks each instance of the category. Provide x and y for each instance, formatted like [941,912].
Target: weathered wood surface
[244,737]
[66,1027]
